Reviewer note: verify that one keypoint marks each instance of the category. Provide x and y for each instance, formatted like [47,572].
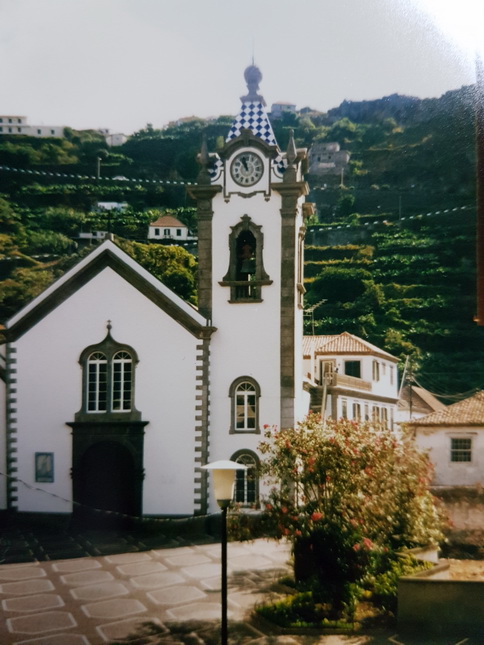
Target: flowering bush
[347,495]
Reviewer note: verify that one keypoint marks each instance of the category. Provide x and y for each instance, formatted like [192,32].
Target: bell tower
[251,225]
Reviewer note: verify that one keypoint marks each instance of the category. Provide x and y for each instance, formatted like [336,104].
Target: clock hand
[244,163]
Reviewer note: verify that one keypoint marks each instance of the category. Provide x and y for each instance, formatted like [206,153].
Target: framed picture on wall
[44,467]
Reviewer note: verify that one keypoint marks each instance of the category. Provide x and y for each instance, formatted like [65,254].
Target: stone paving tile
[126,558]
[41,623]
[100,591]
[141,568]
[33,603]
[187,559]
[95,576]
[72,566]
[176,595]
[122,629]
[26,587]
[157,580]
[22,573]
[110,609]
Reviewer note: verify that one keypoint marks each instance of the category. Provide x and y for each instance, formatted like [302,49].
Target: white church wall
[51,377]
[247,339]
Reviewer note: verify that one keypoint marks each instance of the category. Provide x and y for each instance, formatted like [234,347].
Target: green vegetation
[404,284]
[348,499]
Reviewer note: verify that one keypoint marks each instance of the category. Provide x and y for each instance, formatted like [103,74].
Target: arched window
[246,274]
[97,378]
[245,394]
[246,491]
[108,380]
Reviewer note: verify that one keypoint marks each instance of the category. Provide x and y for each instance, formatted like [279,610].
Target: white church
[117,391]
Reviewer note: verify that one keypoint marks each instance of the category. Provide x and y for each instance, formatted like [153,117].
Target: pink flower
[269,507]
[316,516]
[356,547]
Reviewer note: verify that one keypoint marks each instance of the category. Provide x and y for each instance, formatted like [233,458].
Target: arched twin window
[110,382]
[246,491]
[108,379]
[244,393]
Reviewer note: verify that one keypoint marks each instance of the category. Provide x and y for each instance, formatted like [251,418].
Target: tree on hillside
[348,496]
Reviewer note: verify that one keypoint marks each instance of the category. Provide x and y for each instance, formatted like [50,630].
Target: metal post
[224,631]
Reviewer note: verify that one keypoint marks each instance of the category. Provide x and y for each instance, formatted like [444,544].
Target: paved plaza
[122,591]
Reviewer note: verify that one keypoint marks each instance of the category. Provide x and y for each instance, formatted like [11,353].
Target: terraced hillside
[409,288]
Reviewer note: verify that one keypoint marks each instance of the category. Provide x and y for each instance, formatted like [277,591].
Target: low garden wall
[431,603]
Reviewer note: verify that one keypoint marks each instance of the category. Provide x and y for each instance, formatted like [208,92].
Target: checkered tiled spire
[252,115]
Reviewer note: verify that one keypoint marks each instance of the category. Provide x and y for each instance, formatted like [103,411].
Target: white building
[118,391]
[454,439]
[14,124]
[327,159]
[351,378]
[168,228]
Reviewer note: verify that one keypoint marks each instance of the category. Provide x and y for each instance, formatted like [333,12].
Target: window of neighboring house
[344,409]
[52,131]
[461,449]
[356,411]
[166,231]
[244,393]
[39,131]
[376,371]
[1,128]
[19,129]
[108,379]
[353,368]
[178,232]
[246,491]
[246,274]
[156,231]
[10,120]
[375,413]
[384,417]
[10,129]
[391,374]
[367,412]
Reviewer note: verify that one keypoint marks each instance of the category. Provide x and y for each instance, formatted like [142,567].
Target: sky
[120,64]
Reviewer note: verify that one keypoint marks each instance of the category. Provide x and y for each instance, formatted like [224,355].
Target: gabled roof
[168,220]
[109,255]
[422,401]
[344,343]
[469,412]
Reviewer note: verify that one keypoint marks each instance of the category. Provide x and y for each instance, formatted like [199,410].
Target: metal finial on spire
[109,326]
[253,77]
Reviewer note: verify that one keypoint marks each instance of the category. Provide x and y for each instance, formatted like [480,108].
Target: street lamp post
[223,486]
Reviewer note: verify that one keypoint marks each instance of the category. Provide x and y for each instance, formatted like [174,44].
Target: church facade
[117,391]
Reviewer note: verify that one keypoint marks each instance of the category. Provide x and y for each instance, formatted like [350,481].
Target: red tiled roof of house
[469,412]
[344,343]
[168,220]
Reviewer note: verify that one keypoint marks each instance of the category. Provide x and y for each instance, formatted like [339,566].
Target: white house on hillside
[168,228]
[351,378]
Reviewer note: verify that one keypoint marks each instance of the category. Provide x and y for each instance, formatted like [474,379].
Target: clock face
[247,168]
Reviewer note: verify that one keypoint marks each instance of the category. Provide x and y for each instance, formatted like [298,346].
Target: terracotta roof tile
[344,343]
[469,412]
[167,220]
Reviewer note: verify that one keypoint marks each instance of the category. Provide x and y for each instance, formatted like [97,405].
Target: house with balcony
[350,378]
